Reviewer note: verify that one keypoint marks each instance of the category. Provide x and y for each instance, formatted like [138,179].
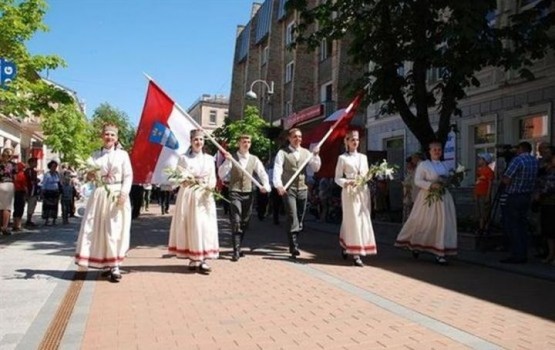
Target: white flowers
[180,176]
[381,171]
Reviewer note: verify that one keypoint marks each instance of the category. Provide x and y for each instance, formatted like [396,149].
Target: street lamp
[270,87]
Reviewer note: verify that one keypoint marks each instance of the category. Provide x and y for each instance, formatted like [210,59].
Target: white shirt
[225,169]
[315,163]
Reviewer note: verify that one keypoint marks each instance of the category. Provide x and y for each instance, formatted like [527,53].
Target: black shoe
[115,275]
[204,268]
[415,254]
[512,260]
[441,260]
[235,256]
[106,273]
[344,254]
[358,262]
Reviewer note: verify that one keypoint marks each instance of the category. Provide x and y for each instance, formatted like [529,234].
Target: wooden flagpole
[196,125]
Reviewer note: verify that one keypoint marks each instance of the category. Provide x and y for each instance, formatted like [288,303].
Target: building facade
[210,111]
[308,85]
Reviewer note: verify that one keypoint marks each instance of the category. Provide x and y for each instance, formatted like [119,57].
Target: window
[484,142]
[289,71]
[288,108]
[532,127]
[326,49]
[326,92]
[290,34]
[265,55]
[213,116]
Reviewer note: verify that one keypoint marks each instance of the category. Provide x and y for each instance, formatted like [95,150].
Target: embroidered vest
[238,181]
[290,166]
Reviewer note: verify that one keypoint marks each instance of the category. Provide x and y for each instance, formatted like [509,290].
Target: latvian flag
[162,136]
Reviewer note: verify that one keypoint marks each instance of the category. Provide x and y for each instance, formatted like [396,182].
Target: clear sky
[186,46]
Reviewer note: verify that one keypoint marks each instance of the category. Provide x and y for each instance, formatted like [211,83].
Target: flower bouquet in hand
[380,171]
[94,176]
[178,176]
[453,179]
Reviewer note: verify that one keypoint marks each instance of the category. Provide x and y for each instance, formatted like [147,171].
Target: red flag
[333,146]
[162,135]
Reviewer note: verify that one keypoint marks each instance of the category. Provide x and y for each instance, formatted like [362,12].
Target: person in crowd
[7,190]
[194,228]
[275,202]
[164,197]
[50,193]
[324,192]
[482,189]
[287,162]
[432,224]
[240,189]
[146,195]
[20,194]
[545,197]
[105,227]
[409,189]
[74,180]
[33,190]
[136,195]
[519,180]
[356,235]
[68,194]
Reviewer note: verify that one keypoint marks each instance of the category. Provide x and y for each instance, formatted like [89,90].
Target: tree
[68,132]
[403,40]
[19,21]
[107,114]
[251,124]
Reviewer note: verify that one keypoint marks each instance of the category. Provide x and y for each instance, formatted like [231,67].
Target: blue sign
[8,72]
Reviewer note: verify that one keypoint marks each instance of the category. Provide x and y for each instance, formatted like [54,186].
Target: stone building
[293,86]
[209,111]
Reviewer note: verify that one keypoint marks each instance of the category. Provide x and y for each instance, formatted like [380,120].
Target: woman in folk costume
[105,227]
[356,235]
[432,225]
[194,228]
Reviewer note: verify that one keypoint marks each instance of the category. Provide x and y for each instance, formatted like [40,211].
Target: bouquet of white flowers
[177,176]
[378,171]
[453,179]
[94,176]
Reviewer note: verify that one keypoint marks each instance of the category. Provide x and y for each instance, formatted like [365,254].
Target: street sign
[8,72]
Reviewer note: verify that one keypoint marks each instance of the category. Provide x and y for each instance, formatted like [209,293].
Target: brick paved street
[266,301]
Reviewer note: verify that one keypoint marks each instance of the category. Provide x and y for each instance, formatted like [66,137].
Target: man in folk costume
[287,162]
[240,189]
[105,228]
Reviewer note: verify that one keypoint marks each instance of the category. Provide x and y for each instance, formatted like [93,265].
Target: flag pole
[213,140]
[319,144]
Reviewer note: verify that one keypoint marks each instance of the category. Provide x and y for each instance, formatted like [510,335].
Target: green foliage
[452,37]
[19,21]
[68,132]
[104,114]
[251,124]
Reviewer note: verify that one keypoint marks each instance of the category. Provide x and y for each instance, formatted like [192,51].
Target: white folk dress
[105,228]
[356,235]
[430,228]
[194,227]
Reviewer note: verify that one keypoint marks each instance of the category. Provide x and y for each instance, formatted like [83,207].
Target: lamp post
[270,91]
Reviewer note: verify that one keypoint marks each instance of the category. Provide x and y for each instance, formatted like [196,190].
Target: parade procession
[281,174]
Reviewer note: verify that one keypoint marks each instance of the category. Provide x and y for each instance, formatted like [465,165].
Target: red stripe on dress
[194,253]
[358,247]
[98,260]
[425,247]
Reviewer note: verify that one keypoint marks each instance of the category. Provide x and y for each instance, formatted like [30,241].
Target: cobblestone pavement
[267,301]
